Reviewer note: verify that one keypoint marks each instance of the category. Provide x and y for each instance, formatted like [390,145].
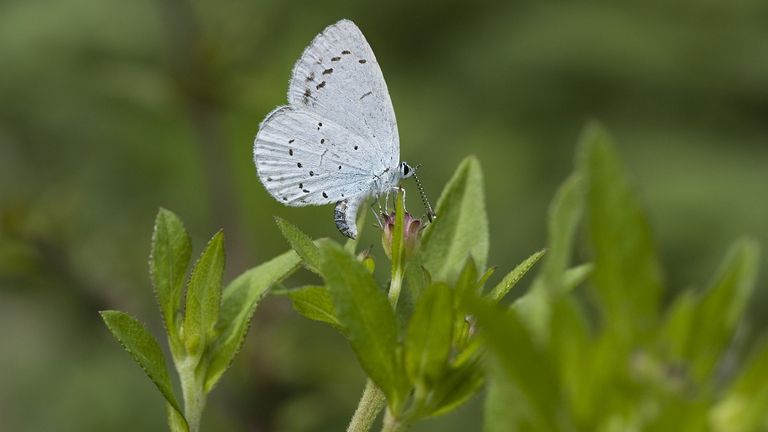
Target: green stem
[194,394]
[368,409]
[395,286]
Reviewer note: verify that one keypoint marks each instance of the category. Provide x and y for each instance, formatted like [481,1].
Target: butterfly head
[406,170]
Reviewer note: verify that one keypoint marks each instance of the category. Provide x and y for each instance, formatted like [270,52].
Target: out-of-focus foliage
[110,109]
[615,358]
[207,332]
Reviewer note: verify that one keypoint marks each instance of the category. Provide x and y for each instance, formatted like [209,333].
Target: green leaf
[745,403]
[466,284]
[457,385]
[627,276]
[416,279]
[176,422]
[315,303]
[678,325]
[429,335]
[368,320]
[504,408]
[527,366]
[168,261]
[144,349]
[238,302]
[461,227]
[511,279]
[564,215]
[204,296]
[722,307]
[575,276]
[301,243]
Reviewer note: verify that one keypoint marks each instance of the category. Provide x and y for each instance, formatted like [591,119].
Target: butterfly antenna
[430,213]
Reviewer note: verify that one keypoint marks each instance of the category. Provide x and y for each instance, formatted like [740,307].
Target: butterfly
[336,141]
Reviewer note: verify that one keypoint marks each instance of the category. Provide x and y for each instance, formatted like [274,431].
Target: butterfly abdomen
[345,216]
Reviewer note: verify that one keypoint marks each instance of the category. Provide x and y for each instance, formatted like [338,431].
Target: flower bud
[411,233]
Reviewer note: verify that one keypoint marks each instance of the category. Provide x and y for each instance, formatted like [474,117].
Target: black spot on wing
[334,59]
[362,61]
[328,71]
[345,52]
[366,94]
[321,85]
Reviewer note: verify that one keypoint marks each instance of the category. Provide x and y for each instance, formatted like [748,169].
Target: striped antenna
[430,214]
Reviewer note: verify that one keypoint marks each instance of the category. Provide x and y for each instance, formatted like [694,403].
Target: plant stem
[391,424]
[395,286]
[194,394]
[368,409]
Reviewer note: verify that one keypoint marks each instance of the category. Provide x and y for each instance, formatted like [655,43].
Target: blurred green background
[110,109]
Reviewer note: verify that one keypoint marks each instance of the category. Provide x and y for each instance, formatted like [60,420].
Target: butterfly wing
[303,159]
[338,77]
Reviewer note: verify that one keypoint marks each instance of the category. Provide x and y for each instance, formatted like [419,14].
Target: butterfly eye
[405,170]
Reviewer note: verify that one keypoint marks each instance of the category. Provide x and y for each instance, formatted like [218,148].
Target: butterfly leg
[376,215]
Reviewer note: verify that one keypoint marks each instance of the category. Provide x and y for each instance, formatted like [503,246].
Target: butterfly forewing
[305,159]
[338,77]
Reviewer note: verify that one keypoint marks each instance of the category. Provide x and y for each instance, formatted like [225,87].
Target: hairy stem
[368,409]
[194,394]
[392,424]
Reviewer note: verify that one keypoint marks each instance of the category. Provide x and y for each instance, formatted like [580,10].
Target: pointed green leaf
[678,325]
[168,261]
[563,219]
[575,276]
[511,279]
[301,243]
[368,320]
[627,276]
[722,306]
[204,296]
[144,349]
[315,303]
[461,227]
[238,302]
[430,335]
